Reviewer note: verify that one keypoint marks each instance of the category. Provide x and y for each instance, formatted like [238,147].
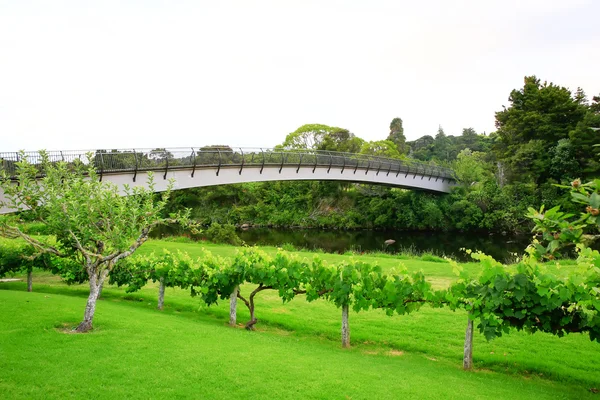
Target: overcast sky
[108,74]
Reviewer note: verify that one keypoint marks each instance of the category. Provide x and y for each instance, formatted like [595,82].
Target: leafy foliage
[562,230]
[529,297]
[225,233]
[93,223]
[17,256]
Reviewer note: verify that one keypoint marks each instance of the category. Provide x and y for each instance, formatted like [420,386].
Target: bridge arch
[210,166]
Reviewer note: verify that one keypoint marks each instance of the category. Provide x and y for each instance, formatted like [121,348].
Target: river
[501,247]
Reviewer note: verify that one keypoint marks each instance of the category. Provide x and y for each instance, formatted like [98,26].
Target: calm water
[336,241]
[449,244]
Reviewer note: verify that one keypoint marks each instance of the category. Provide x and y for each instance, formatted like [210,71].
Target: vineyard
[527,296]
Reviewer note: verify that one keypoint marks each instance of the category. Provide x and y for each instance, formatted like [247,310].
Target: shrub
[225,233]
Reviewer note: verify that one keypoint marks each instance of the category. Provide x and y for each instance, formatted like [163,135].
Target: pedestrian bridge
[222,165]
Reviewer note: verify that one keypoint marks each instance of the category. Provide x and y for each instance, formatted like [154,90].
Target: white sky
[122,74]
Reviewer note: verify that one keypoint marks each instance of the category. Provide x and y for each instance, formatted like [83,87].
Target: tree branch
[243,299]
[138,242]
[42,247]
[86,254]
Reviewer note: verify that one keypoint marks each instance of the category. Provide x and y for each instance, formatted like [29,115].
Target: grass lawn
[188,351]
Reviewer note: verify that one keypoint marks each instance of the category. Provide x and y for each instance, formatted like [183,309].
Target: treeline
[546,136]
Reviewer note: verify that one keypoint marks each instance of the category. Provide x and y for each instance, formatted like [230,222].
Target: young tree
[20,257]
[95,225]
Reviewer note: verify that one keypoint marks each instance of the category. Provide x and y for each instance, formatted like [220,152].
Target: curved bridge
[209,166]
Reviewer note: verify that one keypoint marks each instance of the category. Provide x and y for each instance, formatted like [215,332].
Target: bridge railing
[134,160]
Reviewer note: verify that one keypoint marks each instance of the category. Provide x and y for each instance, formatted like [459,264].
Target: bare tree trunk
[233,306]
[345,327]
[100,290]
[161,294]
[29,280]
[253,321]
[250,304]
[96,281]
[468,354]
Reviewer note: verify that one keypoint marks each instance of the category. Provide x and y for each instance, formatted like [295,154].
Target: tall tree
[397,135]
[585,138]
[539,115]
[441,146]
[469,139]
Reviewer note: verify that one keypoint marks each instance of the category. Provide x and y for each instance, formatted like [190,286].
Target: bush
[288,247]
[225,233]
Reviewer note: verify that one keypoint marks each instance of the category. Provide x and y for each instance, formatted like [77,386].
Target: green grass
[140,353]
[294,353]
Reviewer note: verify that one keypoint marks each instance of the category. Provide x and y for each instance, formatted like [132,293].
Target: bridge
[210,166]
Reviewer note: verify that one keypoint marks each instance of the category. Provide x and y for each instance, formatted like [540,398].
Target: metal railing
[163,160]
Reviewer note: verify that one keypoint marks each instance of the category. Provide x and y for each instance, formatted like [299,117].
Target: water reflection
[449,244]
[501,247]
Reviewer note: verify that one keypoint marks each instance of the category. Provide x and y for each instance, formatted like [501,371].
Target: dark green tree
[397,135]
[470,139]
[539,115]
[585,138]
[441,146]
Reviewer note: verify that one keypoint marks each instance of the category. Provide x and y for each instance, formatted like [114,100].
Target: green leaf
[595,200]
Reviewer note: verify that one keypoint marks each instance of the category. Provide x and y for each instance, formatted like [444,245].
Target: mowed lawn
[189,351]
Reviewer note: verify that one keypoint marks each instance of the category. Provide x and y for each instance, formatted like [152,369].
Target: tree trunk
[468,355]
[100,290]
[250,324]
[250,304]
[233,307]
[96,281]
[161,294]
[29,281]
[345,327]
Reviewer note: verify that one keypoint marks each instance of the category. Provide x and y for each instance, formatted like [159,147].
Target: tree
[470,139]
[341,140]
[383,148]
[396,135]
[539,115]
[95,226]
[422,148]
[469,168]
[308,136]
[322,137]
[17,256]
[563,164]
[585,139]
[441,146]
